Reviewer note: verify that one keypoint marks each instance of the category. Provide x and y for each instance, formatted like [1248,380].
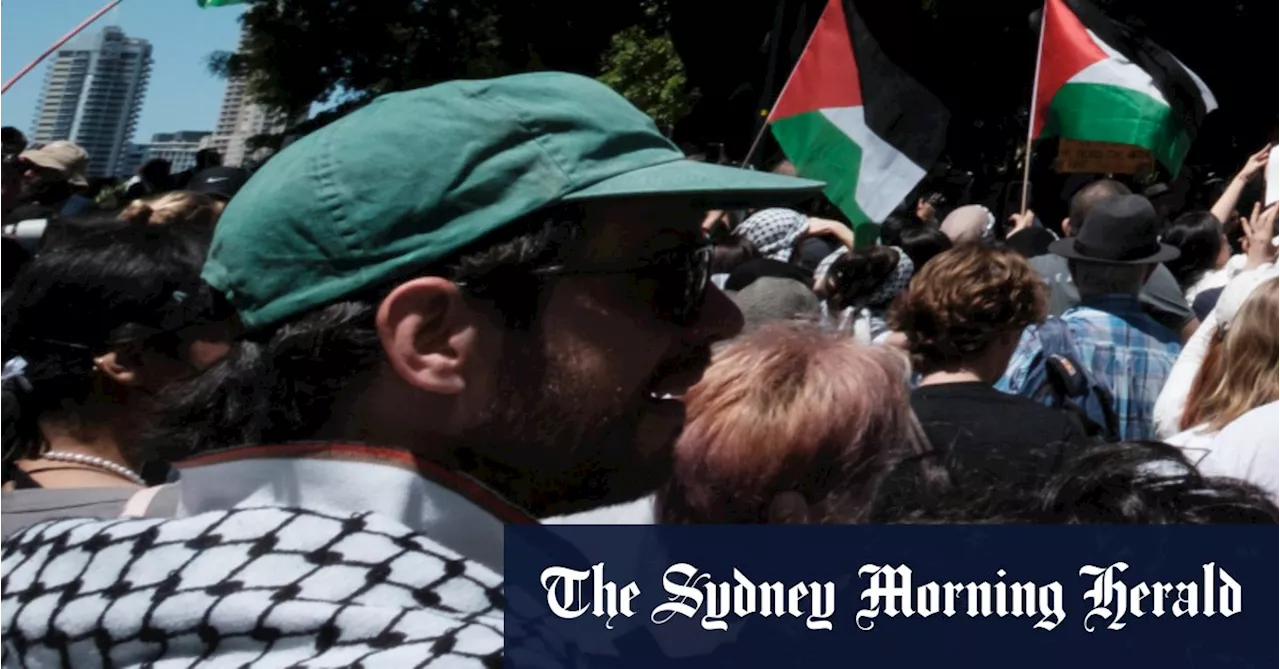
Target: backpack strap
[1055,338]
[1070,382]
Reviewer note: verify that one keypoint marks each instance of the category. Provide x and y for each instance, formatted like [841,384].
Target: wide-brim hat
[1121,230]
[62,156]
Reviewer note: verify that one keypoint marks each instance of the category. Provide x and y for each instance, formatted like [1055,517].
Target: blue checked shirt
[1123,347]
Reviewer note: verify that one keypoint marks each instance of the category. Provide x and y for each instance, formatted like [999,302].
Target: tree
[646,70]
[302,52]
[723,61]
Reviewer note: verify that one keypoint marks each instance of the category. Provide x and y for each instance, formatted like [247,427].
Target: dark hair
[63,231]
[15,259]
[858,273]
[892,227]
[730,252]
[1235,234]
[279,385]
[1127,483]
[13,140]
[1089,195]
[154,170]
[207,158]
[1198,236]
[86,297]
[922,242]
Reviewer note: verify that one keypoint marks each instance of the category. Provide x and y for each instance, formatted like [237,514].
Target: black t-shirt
[986,432]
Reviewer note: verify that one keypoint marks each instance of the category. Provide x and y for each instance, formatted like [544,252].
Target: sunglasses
[673,283]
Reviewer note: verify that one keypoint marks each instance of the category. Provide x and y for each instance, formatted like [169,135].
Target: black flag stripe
[1171,79]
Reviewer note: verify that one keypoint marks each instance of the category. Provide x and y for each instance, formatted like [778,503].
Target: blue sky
[182,95]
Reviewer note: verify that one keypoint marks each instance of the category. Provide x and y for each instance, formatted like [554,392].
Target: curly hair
[962,298]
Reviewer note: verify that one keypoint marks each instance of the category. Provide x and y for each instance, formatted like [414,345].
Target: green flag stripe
[821,151]
[205,4]
[1100,113]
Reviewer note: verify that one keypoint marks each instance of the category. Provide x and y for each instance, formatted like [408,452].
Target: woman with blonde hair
[194,210]
[790,423]
[1240,372]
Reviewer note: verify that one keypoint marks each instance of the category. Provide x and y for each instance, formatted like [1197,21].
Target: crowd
[284,417]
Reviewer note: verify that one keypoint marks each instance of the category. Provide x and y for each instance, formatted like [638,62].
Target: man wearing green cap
[461,306]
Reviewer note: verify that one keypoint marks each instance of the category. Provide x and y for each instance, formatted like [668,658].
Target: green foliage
[111,197]
[646,70]
[300,52]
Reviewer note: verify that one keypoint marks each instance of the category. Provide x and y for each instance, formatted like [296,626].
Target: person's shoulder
[379,584]
[1162,290]
[23,508]
[1258,423]
[1048,265]
[963,397]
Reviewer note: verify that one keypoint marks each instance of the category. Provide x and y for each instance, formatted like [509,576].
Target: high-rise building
[179,148]
[92,95]
[239,120]
[134,156]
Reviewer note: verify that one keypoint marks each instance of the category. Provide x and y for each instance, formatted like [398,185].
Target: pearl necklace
[96,462]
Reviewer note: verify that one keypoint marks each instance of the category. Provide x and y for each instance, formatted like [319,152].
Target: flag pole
[1031,118]
[755,143]
[57,45]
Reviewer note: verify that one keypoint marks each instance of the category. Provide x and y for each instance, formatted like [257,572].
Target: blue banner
[1082,597]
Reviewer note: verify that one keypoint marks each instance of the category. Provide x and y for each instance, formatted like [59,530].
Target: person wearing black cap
[220,183]
[1161,297]
[1110,259]
[205,159]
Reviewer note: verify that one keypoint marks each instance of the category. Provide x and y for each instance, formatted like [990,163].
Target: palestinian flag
[205,4]
[851,118]
[1099,81]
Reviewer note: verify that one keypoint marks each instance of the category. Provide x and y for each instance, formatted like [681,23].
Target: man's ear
[1066,227]
[428,334]
[120,368]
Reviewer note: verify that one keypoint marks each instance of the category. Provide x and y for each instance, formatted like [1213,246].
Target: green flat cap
[416,176]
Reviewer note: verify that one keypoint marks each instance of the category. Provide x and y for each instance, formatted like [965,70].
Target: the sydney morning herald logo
[890,591]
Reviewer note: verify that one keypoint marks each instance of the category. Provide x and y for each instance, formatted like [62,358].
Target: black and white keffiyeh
[893,284]
[884,291]
[774,231]
[261,587]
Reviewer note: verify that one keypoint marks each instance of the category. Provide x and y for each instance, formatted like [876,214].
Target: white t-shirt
[1217,278]
[1194,441]
[1248,449]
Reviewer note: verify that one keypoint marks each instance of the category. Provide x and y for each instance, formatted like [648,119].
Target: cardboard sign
[1102,158]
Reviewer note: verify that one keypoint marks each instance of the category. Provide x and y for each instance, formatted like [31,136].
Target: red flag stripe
[826,76]
[1066,49]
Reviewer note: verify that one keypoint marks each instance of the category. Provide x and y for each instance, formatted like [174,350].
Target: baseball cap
[220,182]
[418,175]
[63,156]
